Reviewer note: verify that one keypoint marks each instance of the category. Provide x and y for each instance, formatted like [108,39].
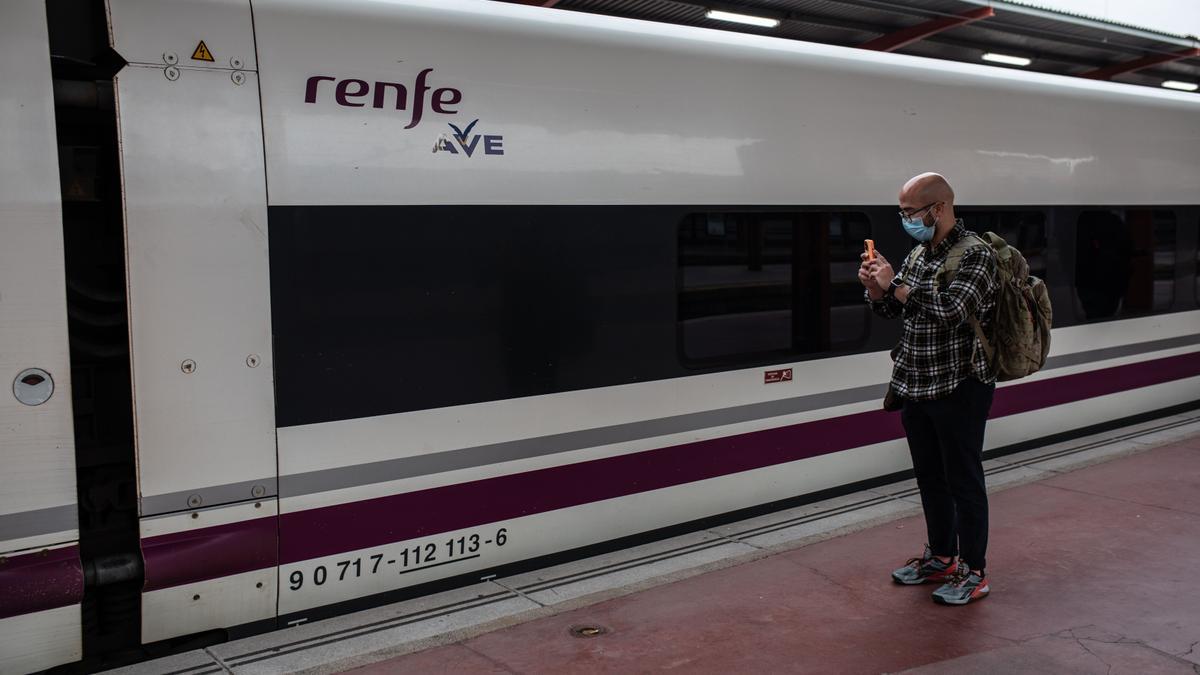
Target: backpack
[1023,315]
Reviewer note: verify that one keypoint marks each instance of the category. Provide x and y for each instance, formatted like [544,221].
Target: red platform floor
[1091,572]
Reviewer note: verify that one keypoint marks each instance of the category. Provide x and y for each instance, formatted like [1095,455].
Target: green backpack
[1021,323]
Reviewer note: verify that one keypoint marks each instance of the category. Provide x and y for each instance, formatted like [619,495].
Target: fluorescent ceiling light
[1005,58]
[742,18]
[1181,86]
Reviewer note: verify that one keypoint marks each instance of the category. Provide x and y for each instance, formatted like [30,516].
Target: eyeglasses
[907,216]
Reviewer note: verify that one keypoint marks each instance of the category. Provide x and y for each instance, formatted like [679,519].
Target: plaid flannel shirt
[938,348]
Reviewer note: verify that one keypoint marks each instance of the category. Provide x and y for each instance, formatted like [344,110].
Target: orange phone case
[870,248]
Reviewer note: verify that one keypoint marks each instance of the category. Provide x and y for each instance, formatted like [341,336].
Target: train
[310,305]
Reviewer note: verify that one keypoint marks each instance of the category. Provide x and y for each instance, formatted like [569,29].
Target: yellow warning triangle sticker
[202,53]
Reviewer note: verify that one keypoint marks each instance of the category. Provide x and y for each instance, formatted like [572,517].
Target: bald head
[928,196]
[926,188]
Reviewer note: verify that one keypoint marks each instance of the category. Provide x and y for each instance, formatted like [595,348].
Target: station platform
[1093,543]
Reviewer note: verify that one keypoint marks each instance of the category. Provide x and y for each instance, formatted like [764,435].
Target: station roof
[957,30]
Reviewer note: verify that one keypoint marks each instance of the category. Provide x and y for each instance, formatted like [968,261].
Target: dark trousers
[945,438]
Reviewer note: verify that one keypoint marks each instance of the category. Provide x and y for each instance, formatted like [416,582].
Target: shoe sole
[983,593]
[918,582]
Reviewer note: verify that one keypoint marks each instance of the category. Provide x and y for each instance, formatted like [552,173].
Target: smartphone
[869,245]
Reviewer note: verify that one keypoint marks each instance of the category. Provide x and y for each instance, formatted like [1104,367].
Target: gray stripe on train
[539,446]
[217,495]
[38,521]
[29,523]
[1079,358]
[323,480]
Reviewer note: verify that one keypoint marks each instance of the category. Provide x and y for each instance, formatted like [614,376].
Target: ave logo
[463,142]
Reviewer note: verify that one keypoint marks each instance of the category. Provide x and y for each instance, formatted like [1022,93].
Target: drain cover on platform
[588,630]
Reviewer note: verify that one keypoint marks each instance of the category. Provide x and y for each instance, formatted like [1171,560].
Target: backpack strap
[950,269]
[955,256]
[988,350]
[912,257]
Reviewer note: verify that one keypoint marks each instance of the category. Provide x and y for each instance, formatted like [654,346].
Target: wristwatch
[897,282]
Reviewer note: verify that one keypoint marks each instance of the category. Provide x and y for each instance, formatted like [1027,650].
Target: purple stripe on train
[34,582]
[373,522]
[210,553]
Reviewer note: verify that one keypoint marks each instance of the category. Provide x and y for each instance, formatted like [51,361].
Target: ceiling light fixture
[1181,86]
[762,21]
[1006,59]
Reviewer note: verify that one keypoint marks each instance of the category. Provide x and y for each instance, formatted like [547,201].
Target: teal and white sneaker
[923,569]
[964,586]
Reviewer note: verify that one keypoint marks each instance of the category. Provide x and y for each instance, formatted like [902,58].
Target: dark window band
[387,309]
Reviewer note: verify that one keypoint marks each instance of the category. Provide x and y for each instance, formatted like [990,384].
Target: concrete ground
[1090,573]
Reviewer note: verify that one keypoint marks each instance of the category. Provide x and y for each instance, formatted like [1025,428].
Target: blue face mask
[917,229]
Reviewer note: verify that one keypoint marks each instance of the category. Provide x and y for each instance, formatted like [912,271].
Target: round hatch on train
[33,386]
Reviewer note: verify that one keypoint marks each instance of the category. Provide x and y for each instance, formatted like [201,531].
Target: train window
[1162,258]
[736,295]
[850,317]
[755,284]
[1124,262]
[1025,230]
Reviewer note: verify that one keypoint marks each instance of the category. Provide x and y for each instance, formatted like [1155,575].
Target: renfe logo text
[355,93]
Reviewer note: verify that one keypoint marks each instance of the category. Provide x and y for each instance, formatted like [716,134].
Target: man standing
[944,380]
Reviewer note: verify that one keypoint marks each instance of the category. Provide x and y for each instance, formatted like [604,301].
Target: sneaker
[926,568]
[965,585]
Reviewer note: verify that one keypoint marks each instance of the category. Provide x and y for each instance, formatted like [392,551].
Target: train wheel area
[1091,549]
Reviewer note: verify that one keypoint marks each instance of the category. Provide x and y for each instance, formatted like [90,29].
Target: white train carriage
[308,304]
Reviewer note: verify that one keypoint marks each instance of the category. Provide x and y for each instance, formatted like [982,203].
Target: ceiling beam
[1067,64]
[997,25]
[906,36]
[974,45]
[1109,72]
